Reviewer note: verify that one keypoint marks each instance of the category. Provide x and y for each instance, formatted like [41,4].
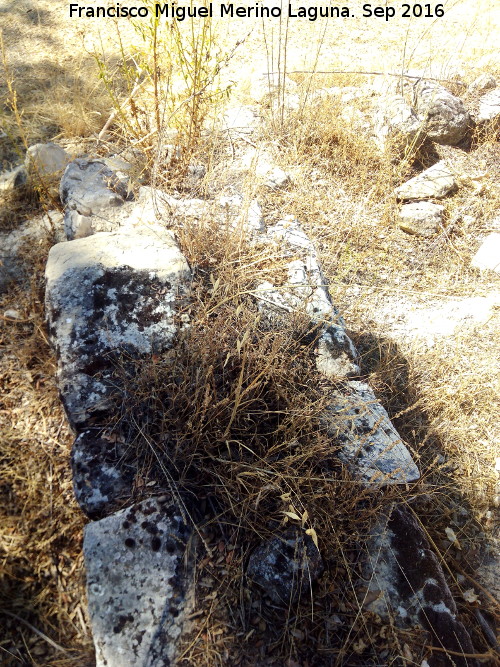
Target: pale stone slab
[489,107]
[433,183]
[109,294]
[368,442]
[421,218]
[139,590]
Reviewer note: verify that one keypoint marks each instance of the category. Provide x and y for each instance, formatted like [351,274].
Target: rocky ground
[374,499]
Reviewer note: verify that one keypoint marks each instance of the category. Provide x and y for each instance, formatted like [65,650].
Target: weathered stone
[421,218]
[101,476]
[249,216]
[108,295]
[46,160]
[482,84]
[10,180]
[396,123]
[488,255]
[89,190]
[406,576]
[489,107]
[139,590]
[307,292]
[368,442]
[32,231]
[274,177]
[285,566]
[433,183]
[445,117]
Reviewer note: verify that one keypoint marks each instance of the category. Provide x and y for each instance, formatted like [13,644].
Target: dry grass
[241,409]
[41,576]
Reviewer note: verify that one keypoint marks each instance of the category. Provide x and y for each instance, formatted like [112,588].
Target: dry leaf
[304,518]
[312,533]
[292,515]
[450,534]
[470,595]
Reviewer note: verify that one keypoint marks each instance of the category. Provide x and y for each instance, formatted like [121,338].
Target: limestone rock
[10,180]
[445,117]
[285,566]
[89,190]
[108,295]
[139,592]
[274,177]
[101,476]
[489,107]
[368,442]
[306,292]
[408,578]
[421,218]
[396,122]
[488,255]
[433,183]
[249,217]
[46,160]
[482,84]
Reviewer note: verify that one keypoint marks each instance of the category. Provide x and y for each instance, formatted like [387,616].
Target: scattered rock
[46,160]
[407,579]
[396,123]
[421,218]
[368,442]
[445,117]
[106,295]
[139,592]
[101,476]
[90,190]
[248,216]
[285,566]
[433,183]
[274,177]
[482,84]
[489,107]
[488,255]
[12,314]
[10,180]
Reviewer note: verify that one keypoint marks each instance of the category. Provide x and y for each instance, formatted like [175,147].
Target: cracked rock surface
[106,295]
[411,586]
[138,591]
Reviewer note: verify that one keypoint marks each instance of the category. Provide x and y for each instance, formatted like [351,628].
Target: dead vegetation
[233,412]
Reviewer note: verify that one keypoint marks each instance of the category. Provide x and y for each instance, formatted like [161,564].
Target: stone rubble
[102,300]
[488,255]
[46,161]
[421,218]
[118,292]
[445,118]
[489,108]
[286,566]
[433,183]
